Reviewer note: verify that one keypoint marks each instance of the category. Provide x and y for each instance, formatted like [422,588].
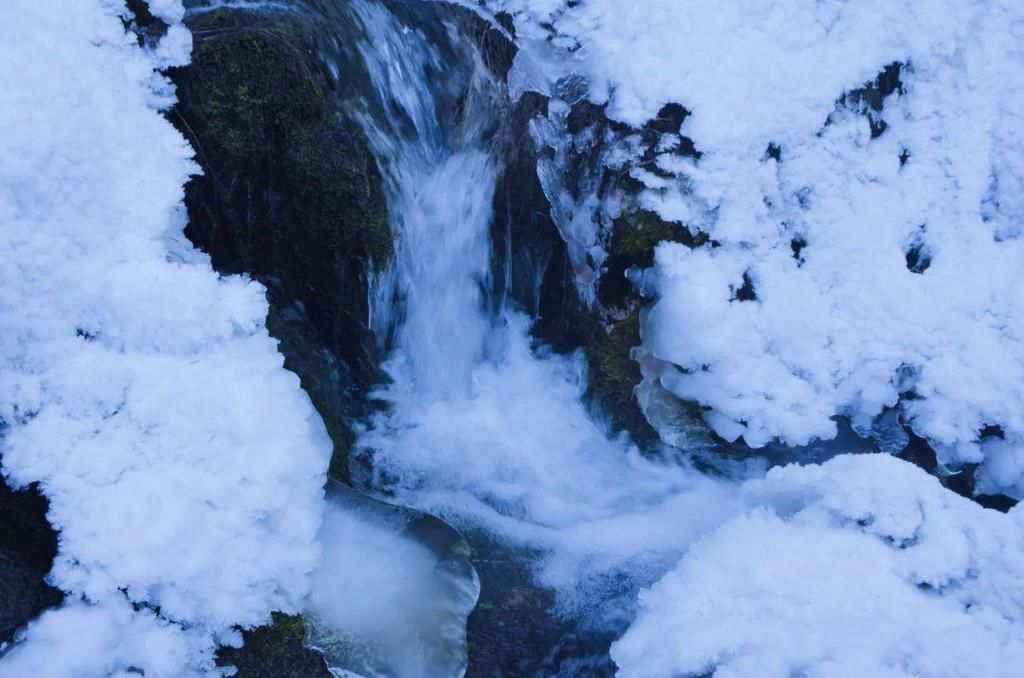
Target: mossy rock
[260,114]
[276,650]
[614,375]
[638,233]
[291,195]
[635,236]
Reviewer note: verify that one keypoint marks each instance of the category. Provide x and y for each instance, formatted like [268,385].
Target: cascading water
[481,428]
[439,179]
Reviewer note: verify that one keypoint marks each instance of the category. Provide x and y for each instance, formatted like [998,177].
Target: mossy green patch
[614,375]
[275,650]
[259,113]
[638,233]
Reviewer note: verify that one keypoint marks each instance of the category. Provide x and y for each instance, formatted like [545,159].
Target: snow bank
[183,464]
[105,639]
[881,263]
[863,566]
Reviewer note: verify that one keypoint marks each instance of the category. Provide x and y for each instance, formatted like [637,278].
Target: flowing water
[483,428]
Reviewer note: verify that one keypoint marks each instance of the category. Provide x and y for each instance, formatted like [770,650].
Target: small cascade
[482,427]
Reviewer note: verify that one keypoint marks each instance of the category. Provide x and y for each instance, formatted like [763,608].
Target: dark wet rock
[141,21]
[998,502]
[28,545]
[917,258]
[276,650]
[921,454]
[290,194]
[635,236]
[614,375]
[337,393]
[531,265]
[798,244]
[24,594]
[584,115]
[495,48]
[564,322]
[525,238]
[745,291]
[869,99]
[514,630]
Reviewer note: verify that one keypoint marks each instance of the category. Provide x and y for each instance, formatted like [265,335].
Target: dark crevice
[917,257]
[746,291]
[869,99]
[797,245]
[28,546]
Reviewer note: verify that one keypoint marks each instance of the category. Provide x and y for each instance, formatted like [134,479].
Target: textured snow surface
[845,326]
[105,639]
[863,566]
[183,464]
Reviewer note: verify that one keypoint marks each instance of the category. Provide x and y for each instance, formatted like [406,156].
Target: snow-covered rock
[863,566]
[859,175]
[184,466]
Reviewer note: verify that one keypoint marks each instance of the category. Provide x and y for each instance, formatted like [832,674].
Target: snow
[848,328]
[106,639]
[863,566]
[184,466]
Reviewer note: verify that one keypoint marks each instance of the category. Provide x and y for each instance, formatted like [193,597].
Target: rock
[290,194]
[28,545]
[24,594]
[276,650]
[513,631]
[147,27]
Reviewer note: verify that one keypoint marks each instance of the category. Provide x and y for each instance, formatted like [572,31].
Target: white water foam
[482,429]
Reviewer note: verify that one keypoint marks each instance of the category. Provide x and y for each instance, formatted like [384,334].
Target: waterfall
[439,177]
[481,427]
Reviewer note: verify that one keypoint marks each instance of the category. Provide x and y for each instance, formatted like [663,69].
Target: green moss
[253,82]
[638,233]
[615,371]
[257,112]
[614,375]
[334,187]
[275,650]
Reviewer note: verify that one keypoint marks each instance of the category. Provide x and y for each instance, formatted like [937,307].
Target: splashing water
[481,429]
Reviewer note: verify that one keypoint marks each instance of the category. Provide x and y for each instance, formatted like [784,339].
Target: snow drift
[863,566]
[858,172]
[184,466]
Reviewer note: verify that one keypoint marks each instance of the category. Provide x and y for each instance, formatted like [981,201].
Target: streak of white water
[482,430]
[440,186]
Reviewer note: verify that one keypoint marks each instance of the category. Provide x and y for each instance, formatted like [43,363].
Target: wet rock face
[290,194]
[28,545]
[531,264]
[147,27]
[513,631]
